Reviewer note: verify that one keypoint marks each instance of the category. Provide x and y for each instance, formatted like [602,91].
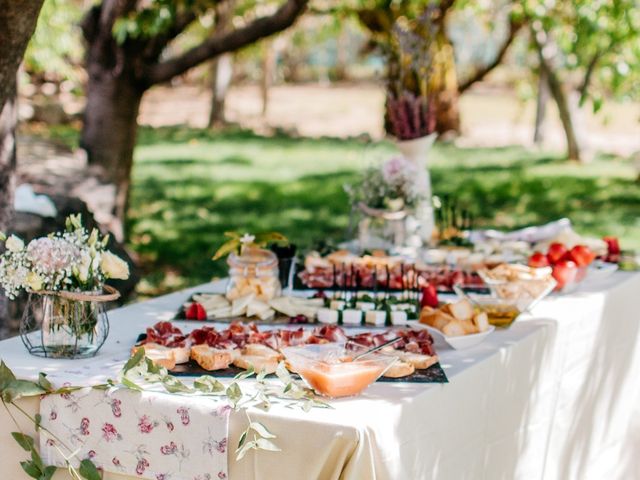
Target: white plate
[463,341]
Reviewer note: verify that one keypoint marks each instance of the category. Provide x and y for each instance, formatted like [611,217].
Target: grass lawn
[190,186]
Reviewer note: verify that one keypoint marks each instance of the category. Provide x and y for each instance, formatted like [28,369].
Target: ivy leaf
[38,423]
[208,384]
[88,470]
[234,393]
[48,472]
[133,361]
[246,374]
[264,444]
[25,441]
[261,430]
[21,388]
[44,383]
[31,469]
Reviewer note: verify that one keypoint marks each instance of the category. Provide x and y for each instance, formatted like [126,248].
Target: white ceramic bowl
[463,341]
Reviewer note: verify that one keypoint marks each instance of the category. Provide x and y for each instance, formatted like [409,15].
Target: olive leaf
[208,384]
[242,451]
[261,430]
[249,372]
[17,389]
[48,472]
[283,374]
[88,470]
[31,469]
[6,376]
[134,361]
[232,245]
[44,383]
[264,444]
[173,385]
[234,394]
[25,441]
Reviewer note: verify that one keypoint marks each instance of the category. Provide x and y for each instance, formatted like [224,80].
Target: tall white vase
[417,152]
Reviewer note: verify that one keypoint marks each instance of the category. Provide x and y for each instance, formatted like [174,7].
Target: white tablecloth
[553,397]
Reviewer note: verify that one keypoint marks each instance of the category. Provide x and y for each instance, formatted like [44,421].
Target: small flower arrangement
[73,260]
[393,186]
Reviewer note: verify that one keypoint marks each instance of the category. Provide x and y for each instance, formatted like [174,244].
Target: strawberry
[192,312]
[564,272]
[612,245]
[538,260]
[556,252]
[582,255]
[429,296]
[201,313]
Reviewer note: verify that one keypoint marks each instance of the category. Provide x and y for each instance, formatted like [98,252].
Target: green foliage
[56,48]
[600,35]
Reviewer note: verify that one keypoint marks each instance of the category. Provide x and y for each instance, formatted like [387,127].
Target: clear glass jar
[254,271]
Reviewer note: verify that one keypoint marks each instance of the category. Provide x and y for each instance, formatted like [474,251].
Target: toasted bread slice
[260,350]
[211,358]
[259,363]
[436,319]
[399,369]
[481,320]
[460,310]
[418,360]
[455,328]
[158,354]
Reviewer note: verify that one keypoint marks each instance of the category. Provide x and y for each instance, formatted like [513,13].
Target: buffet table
[554,396]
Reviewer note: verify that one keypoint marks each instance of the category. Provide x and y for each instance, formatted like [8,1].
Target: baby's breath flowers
[73,260]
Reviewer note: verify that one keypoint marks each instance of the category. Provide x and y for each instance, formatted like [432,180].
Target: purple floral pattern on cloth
[148,435]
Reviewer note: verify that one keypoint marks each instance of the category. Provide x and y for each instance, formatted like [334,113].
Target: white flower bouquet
[393,186]
[74,260]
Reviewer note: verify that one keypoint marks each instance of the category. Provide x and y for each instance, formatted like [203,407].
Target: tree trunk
[541,108]
[221,75]
[543,45]
[109,132]
[268,72]
[17,23]
[444,83]
[8,117]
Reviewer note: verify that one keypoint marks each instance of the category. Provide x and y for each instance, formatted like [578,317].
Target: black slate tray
[433,374]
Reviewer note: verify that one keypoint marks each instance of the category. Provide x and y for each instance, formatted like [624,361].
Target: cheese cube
[337,304]
[351,316]
[328,316]
[375,317]
[398,318]
[365,306]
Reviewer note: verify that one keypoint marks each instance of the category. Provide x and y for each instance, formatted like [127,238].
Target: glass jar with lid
[254,271]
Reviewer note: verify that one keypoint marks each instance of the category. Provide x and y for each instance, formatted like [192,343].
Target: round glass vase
[66,324]
[381,229]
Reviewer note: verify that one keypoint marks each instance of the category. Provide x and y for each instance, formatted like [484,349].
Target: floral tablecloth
[149,434]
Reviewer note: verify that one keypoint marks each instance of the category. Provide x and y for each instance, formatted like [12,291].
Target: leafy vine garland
[140,374]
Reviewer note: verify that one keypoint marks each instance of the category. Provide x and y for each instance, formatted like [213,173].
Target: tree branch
[222,43]
[588,74]
[482,72]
